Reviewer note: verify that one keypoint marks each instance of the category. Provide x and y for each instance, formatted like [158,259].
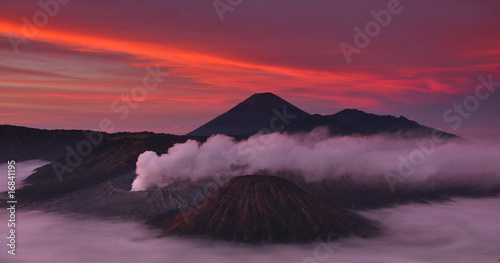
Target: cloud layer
[454,232]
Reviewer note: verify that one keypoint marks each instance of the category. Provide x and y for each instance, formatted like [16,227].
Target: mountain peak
[255,113]
[266,100]
[351,111]
[262,94]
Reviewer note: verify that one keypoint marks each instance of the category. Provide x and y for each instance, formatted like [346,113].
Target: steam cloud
[317,156]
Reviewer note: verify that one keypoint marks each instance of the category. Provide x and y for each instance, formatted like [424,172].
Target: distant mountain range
[267,112]
[262,112]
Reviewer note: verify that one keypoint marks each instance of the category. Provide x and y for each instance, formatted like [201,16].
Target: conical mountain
[265,209]
[259,111]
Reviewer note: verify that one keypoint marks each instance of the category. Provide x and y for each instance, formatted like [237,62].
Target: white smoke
[316,157]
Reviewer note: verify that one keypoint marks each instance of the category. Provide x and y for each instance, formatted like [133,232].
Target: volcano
[265,209]
[267,112]
[259,111]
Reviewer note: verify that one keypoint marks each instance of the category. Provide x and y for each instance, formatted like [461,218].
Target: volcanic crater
[264,209]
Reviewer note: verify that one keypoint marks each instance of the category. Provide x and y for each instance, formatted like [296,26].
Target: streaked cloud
[91,52]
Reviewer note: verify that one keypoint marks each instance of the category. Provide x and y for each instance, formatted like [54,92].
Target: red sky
[68,73]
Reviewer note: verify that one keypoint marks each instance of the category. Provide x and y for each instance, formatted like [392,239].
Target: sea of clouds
[467,230]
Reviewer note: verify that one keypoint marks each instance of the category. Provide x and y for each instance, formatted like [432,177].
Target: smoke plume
[316,157]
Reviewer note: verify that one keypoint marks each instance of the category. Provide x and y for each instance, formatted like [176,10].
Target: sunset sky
[80,57]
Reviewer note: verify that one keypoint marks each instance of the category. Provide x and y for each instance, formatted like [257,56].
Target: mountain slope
[260,111]
[22,143]
[263,209]
[113,157]
[369,124]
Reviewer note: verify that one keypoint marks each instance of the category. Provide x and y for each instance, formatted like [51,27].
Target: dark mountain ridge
[269,113]
[369,124]
[23,143]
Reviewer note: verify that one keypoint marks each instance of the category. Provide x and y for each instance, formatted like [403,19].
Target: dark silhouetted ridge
[269,113]
[369,124]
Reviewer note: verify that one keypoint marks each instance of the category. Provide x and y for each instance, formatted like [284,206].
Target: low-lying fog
[467,230]
[23,170]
